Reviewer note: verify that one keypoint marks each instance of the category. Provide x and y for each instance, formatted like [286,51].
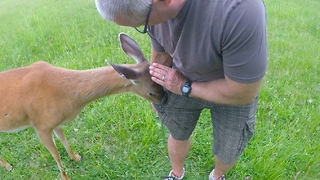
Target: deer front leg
[59,133]
[47,141]
[6,164]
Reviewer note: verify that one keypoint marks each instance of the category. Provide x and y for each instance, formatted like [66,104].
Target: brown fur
[45,97]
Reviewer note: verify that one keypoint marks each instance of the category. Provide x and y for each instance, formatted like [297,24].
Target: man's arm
[221,91]
[226,91]
[163,58]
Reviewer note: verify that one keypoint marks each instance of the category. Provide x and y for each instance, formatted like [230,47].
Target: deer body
[45,90]
[45,97]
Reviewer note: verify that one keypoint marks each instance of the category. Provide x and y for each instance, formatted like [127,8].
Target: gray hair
[134,10]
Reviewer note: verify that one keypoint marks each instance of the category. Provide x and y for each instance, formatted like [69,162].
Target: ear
[125,72]
[131,48]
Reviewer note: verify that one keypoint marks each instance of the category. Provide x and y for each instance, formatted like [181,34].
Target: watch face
[185,89]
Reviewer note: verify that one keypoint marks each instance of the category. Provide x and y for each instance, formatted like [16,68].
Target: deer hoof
[9,167]
[77,157]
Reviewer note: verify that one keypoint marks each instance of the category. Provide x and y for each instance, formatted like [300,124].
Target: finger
[157,80]
[160,66]
[156,74]
[159,73]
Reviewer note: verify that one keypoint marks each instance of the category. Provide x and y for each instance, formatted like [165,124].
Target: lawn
[120,137]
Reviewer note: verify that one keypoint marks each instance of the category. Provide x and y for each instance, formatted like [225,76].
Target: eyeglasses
[145,29]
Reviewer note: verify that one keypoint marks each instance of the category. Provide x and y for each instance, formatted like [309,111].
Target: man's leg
[221,168]
[178,151]
[233,128]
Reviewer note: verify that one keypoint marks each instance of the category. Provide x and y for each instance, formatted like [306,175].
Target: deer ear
[131,48]
[125,72]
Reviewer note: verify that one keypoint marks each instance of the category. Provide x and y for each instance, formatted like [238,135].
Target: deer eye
[152,94]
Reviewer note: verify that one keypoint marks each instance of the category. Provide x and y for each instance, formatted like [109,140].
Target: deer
[46,97]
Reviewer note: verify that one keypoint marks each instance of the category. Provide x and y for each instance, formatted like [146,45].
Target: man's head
[134,13]
[124,12]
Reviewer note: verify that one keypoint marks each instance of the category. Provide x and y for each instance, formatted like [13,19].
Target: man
[206,54]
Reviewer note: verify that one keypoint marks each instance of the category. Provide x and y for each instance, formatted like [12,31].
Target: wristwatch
[186,88]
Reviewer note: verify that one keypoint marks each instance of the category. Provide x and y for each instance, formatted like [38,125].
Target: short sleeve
[244,42]
[155,44]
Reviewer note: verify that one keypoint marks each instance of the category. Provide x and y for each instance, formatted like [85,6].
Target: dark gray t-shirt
[212,38]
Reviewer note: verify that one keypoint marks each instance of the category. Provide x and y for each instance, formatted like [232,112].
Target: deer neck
[97,83]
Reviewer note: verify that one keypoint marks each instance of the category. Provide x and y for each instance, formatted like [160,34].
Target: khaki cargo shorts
[233,126]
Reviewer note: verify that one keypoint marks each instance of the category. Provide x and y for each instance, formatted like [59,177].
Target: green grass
[120,137]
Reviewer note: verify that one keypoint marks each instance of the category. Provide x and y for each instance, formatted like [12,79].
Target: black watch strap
[186,89]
